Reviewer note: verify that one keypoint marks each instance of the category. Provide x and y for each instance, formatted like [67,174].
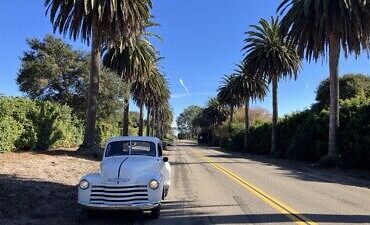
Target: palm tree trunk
[153,122]
[231,114]
[126,110]
[148,121]
[246,122]
[125,117]
[158,125]
[274,113]
[141,120]
[334,53]
[90,132]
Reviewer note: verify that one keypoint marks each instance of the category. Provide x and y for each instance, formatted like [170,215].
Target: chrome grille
[116,195]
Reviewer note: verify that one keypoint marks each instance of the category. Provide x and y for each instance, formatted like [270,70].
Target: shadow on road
[28,201]
[292,168]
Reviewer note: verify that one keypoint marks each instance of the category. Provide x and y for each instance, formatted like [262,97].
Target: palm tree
[133,63]
[139,94]
[250,87]
[229,96]
[322,27]
[268,54]
[214,114]
[156,94]
[100,22]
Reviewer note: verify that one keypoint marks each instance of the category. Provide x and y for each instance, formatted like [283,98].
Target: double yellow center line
[291,213]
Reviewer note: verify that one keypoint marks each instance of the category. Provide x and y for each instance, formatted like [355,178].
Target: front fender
[153,195]
[84,195]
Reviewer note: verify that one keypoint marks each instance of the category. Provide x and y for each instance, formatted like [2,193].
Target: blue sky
[202,41]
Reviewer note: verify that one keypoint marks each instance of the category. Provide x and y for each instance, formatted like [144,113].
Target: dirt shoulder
[38,188]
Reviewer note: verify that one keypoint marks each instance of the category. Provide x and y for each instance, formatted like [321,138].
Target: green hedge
[106,130]
[304,135]
[30,125]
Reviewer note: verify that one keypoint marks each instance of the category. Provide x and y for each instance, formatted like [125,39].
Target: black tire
[156,212]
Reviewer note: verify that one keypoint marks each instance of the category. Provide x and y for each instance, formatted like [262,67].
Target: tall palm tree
[269,54]
[100,22]
[322,27]
[157,93]
[229,96]
[139,94]
[250,87]
[133,63]
[214,114]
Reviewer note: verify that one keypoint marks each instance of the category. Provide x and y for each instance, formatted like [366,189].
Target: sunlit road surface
[213,187]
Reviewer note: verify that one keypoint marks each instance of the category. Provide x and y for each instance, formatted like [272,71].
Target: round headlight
[153,184]
[84,184]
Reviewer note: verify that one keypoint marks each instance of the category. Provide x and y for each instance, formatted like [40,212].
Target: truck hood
[127,169]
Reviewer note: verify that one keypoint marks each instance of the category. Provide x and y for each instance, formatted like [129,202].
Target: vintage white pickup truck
[134,175]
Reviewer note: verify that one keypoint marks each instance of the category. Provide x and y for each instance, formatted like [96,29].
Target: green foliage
[29,125]
[350,85]
[116,20]
[184,121]
[52,71]
[19,115]
[9,133]
[106,130]
[230,137]
[57,127]
[310,24]
[354,138]
[303,135]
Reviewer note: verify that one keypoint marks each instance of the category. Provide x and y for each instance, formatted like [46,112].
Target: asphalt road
[213,187]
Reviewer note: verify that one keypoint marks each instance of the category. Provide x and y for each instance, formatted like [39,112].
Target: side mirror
[165,159]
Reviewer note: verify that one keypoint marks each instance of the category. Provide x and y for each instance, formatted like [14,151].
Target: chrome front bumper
[145,206]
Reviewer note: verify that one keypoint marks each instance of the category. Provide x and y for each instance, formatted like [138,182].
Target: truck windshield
[118,148]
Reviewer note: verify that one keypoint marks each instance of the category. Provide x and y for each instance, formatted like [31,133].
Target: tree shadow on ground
[298,169]
[31,201]
[187,212]
[94,156]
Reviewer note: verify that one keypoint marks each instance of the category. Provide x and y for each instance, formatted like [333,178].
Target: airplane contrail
[184,86]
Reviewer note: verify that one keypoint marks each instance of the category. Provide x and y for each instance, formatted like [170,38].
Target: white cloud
[184,86]
[182,95]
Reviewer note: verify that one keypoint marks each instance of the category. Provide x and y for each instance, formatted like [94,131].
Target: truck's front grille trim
[107,194]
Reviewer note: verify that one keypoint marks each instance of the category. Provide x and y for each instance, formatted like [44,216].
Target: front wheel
[156,212]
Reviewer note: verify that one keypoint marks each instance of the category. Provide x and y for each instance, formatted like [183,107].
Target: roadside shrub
[9,133]
[28,125]
[57,127]
[105,130]
[354,133]
[22,111]
[304,135]
[259,139]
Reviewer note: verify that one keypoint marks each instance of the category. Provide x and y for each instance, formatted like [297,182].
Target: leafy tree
[350,85]
[52,71]
[257,116]
[269,54]
[323,27]
[101,22]
[185,120]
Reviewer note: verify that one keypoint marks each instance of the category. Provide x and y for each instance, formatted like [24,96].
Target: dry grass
[40,188]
